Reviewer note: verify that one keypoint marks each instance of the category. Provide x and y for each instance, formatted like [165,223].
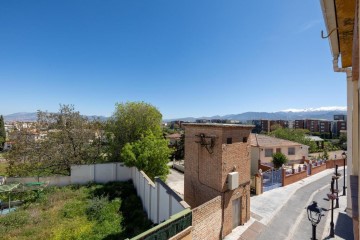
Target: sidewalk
[342,222]
[265,206]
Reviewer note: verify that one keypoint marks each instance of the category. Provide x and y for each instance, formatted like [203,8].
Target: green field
[110,211]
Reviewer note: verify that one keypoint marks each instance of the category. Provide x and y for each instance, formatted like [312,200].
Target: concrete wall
[255,157]
[179,167]
[53,181]
[158,199]
[100,173]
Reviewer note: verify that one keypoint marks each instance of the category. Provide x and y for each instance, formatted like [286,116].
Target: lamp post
[332,196]
[336,177]
[344,156]
[314,215]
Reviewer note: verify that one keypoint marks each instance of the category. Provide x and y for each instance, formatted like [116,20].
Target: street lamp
[344,156]
[314,215]
[332,197]
[336,177]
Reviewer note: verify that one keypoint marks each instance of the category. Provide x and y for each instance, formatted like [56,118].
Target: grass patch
[3,166]
[95,211]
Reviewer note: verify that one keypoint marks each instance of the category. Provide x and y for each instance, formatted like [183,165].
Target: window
[229,141]
[278,150]
[268,152]
[291,151]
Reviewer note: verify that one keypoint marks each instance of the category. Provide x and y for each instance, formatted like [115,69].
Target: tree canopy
[58,141]
[130,122]
[296,135]
[149,154]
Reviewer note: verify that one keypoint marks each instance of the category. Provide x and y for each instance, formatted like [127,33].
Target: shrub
[13,220]
[76,228]
[94,208]
[73,209]
[279,159]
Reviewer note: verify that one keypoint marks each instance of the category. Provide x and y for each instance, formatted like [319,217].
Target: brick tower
[217,163]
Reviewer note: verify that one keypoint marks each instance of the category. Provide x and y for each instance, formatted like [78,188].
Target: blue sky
[188,58]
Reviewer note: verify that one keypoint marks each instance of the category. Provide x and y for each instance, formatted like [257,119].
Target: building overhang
[339,18]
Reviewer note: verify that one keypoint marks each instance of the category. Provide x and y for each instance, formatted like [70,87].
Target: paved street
[291,221]
[175,180]
[281,213]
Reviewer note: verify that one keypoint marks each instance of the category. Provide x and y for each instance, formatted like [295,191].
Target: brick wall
[206,173]
[317,169]
[333,163]
[201,182]
[289,179]
[264,168]
[206,220]
[243,192]
[206,170]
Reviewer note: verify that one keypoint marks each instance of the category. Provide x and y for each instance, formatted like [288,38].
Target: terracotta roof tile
[267,141]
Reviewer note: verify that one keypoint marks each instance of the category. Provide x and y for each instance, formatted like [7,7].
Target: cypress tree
[2,132]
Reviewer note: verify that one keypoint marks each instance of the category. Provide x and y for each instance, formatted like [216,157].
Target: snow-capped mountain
[325,113]
[334,108]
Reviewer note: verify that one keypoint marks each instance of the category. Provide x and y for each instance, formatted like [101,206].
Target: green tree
[2,133]
[129,123]
[326,154]
[180,148]
[295,135]
[58,141]
[149,154]
[279,159]
[342,141]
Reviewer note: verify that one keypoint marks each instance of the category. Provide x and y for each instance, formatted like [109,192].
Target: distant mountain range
[32,117]
[325,113]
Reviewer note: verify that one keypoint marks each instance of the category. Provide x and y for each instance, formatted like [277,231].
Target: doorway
[236,212]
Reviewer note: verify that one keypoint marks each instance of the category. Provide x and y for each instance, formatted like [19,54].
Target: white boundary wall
[158,199]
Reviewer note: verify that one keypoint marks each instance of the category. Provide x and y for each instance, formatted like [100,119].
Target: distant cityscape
[324,128]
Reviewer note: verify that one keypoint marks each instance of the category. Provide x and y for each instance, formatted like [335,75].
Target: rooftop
[262,140]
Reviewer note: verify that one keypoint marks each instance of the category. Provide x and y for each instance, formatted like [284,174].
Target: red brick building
[340,126]
[265,125]
[217,163]
[324,126]
[299,124]
[312,125]
[281,123]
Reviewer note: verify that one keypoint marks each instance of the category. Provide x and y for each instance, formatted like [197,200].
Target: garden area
[3,167]
[94,211]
